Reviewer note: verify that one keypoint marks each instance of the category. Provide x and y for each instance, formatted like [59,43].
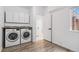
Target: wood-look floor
[39,46]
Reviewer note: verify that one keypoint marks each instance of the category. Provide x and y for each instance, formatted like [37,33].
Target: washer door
[12,37]
[25,35]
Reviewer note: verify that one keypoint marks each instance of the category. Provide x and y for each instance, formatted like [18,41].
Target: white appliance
[12,37]
[26,34]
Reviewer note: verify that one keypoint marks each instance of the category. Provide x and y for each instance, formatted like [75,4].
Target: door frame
[51,26]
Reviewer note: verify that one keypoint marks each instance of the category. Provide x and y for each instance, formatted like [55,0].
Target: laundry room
[16,24]
[39,28]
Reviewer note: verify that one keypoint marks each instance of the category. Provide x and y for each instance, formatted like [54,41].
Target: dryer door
[26,35]
[12,37]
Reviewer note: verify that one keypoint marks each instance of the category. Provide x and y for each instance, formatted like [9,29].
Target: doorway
[39,28]
[47,27]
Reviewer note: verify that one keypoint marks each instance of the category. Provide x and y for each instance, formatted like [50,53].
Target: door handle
[50,28]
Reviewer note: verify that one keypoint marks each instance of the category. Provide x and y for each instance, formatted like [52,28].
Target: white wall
[16,9]
[54,8]
[61,30]
[1,25]
[47,21]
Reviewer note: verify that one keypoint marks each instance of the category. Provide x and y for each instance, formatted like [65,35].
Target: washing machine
[12,36]
[26,35]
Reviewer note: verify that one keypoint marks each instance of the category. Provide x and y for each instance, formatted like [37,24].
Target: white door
[47,27]
[39,28]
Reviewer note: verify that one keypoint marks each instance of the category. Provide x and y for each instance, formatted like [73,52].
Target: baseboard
[47,40]
[63,47]
[37,40]
[60,46]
